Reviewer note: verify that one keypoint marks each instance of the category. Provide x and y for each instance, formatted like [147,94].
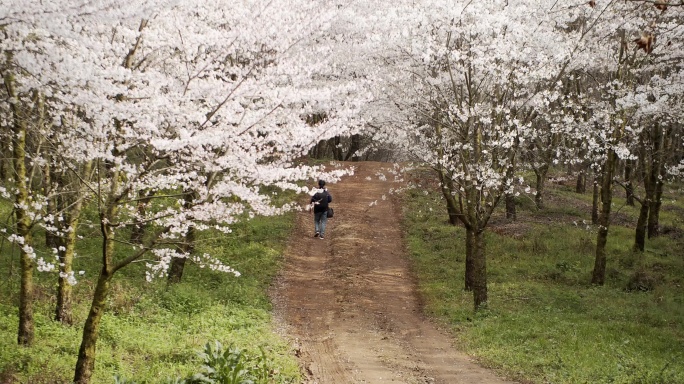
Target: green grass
[152,332]
[545,322]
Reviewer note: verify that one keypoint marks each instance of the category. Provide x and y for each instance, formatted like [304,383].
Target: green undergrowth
[152,332]
[545,322]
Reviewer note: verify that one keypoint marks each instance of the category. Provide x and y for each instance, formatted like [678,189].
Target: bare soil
[349,302]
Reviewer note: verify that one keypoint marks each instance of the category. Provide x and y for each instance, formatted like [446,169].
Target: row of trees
[486,91]
[167,118]
[199,106]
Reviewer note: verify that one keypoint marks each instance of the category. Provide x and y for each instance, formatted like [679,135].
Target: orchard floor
[349,302]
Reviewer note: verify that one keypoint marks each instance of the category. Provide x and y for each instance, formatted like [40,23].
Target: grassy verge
[545,323]
[152,332]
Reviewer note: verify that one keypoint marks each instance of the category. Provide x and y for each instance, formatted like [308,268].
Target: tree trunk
[629,185]
[540,173]
[337,149]
[595,201]
[509,198]
[5,154]
[469,265]
[85,365]
[654,213]
[66,258]
[353,148]
[510,207]
[640,233]
[479,270]
[51,238]
[581,186]
[138,231]
[452,210]
[23,221]
[656,180]
[26,326]
[86,354]
[599,274]
[63,310]
[178,263]
[452,207]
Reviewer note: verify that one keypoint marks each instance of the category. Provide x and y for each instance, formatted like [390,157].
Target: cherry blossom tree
[629,81]
[200,105]
[479,78]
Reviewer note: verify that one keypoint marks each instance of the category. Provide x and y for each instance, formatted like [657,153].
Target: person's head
[321,183]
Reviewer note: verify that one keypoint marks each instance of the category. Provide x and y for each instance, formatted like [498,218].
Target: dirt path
[350,303]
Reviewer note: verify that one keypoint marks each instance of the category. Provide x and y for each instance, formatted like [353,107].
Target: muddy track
[349,302]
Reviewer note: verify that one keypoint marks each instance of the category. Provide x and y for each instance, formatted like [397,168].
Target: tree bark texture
[511,212]
[51,238]
[353,148]
[63,312]
[629,185]
[452,206]
[479,271]
[469,264]
[85,363]
[656,179]
[23,221]
[540,174]
[178,264]
[71,205]
[85,366]
[595,201]
[640,232]
[581,185]
[599,274]
[138,231]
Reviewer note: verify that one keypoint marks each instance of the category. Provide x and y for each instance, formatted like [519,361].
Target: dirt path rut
[349,301]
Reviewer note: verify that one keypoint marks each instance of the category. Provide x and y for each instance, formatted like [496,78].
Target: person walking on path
[319,202]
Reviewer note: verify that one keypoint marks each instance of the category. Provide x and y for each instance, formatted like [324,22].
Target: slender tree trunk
[629,185]
[595,201]
[654,212]
[479,270]
[452,206]
[178,263]
[599,274]
[51,238]
[581,185]
[452,210]
[23,221]
[138,231]
[63,308]
[353,148]
[510,207]
[640,233]
[469,262]
[337,149]
[540,174]
[509,198]
[66,259]
[5,154]
[656,181]
[85,365]
[26,326]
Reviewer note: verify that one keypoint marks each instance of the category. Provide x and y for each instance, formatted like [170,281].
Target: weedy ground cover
[153,332]
[545,322]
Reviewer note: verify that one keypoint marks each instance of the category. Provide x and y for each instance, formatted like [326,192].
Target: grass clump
[545,322]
